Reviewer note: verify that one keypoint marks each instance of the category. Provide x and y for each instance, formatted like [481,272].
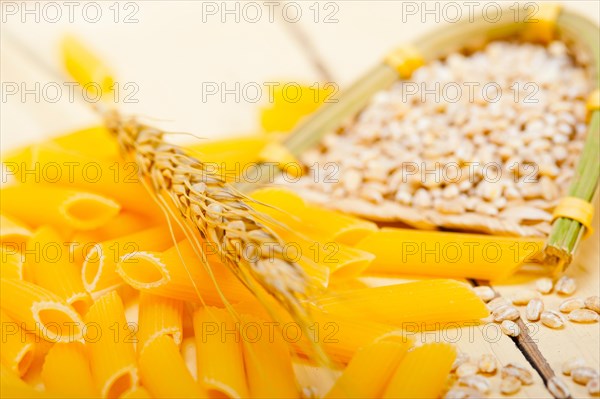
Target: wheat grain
[487,364]
[583,316]
[544,285]
[571,364]
[583,374]
[552,319]
[520,372]
[510,385]
[569,305]
[593,303]
[593,387]
[505,312]
[510,328]
[534,309]
[566,285]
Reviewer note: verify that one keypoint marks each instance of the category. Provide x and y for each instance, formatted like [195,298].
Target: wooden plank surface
[171,53]
[575,340]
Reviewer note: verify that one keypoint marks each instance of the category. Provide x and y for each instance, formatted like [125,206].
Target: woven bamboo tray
[551,23]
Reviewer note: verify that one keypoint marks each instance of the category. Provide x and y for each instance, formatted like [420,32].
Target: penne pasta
[282,115]
[111,178]
[12,233]
[422,373]
[136,393]
[110,347]
[59,207]
[410,306]
[165,274]
[163,371]
[158,316]
[267,360]
[11,263]
[66,371]
[344,262]
[361,379]
[190,355]
[441,254]
[339,335]
[48,265]
[18,348]
[86,67]
[220,361]
[93,141]
[323,225]
[11,386]
[99,266]
[41,311]
[124,224]
[234,158]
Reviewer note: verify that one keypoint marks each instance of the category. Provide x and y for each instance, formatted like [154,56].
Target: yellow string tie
[405,59]
[575,209]
[593,102]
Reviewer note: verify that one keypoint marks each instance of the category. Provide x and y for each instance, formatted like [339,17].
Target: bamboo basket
[552,23]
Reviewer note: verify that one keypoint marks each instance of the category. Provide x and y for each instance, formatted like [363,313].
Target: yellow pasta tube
[165,274]
[343,262]
[11,386]
[158,316]
[315,222]
[86,68]
[422,373]
[59,207]
[114,179]
[234,158]
[282,114]
[411,306]
[125,223]
[48,264]
[163,371]
[17,347]
[267,360]
[220,361]
[455,255]
[93,141]
[136,393]
[41,311]
[99,266]
[66,371]
[110,347]
[11,263]
[361,379]
[340,335]
[12,233]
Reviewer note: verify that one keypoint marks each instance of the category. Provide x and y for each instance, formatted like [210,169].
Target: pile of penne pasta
[101,297]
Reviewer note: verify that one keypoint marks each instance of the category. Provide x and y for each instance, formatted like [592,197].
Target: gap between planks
[528,347]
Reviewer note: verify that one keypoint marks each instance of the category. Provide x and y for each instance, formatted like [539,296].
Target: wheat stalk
[215,209]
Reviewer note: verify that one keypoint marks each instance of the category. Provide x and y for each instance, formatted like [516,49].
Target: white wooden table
[178,49]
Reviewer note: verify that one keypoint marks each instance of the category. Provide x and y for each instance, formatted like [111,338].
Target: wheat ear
[214,208]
